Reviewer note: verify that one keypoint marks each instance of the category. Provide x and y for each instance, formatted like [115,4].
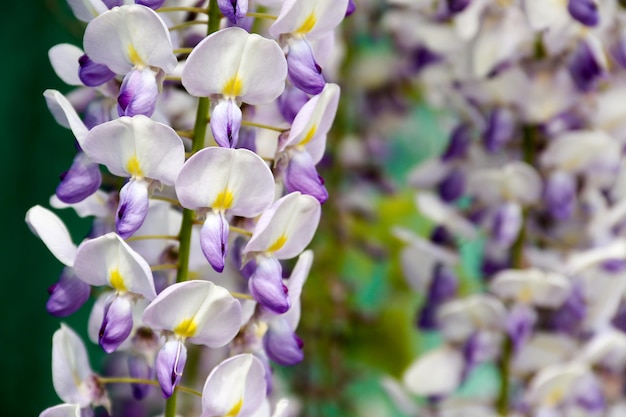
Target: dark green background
[34,151]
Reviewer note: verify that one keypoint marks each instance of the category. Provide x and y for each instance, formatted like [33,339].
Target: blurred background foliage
[358,313]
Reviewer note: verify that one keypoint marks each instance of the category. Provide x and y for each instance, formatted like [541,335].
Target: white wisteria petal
[552,384]
[96,205]
[61,410]
[542,350]
[581,260]
[428,174]
[235,387]
[515,181]
[65,114]
[108,260]
[547,14]
[313,121]
[137,147]
[70,367]
[533,286]
[236,180]
[86,10]
[234,63]
[48,227]
[606,348]
[308,18]
[580,150]
[64,60]
[294,284]
[431,206]
[436,373]
[287,227]
[129,36]
[199,311]
[459,319]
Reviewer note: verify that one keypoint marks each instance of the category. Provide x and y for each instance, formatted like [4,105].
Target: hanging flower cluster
[533,172]
[191,225]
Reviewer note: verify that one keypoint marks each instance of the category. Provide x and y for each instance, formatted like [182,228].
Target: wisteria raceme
[163,188]
[535,165]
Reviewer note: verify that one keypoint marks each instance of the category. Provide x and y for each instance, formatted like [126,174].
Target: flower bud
[132,208]
[452,186]
[92,74]
[214,239]
[138,93]
[80,181]
[585,66]
[560,195]
[302,176]
[233,10]
[519,324]
[459,142]
[116,324]
[153,4]
[585,11]
[302,69]
[225,123]
[67,295]
[266,285]
[170,363]
[500,129]
[281,344]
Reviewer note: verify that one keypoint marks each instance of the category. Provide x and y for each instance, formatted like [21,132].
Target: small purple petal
[443,287]
[452,186]
[233,10]
[138,93]
[351,8]
[584,67]
[80,181]
[266,285]
[585,11]
[618,50]
[590,395]
[153,4]
[132,208]
[507,223]
[67,295]
[441,236]
[457,6]
[560,195]
[302,176]
[500,129]
[214,239]
[282,345]
[170,362]
[459,142]
[302,69]
[421,57]
[92,74]
[291,101]
[138,367]
[116,324]
[569,316]
[225,123]
[519,324]
[113,3]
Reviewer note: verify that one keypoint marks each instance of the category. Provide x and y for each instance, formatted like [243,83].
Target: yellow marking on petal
[307,25]
[236,409]
[134,57]
[526,295]
[555,397]
[117,281]
[134,167]
[186,328]
[232,87]
[309,135]
[279,243]
[223,201]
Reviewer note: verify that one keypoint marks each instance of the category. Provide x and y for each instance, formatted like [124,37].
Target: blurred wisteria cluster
[446,176]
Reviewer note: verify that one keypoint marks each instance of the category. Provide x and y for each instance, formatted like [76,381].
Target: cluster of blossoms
[534,170]
[192,226]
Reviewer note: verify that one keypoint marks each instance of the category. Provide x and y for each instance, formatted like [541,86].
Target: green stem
[186,226]
[129,380]
[517,262]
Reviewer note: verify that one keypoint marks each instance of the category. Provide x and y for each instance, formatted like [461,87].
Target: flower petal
[65,114]
[80,181]
[64,60]
[132,208]
[138,147]
[214,239]
[311,18]
[250,67]
[48,227]
[437,373]
[67,295]
[234,387]
[287,227]
[236,180]
[129,36]
[108,260]
[170,362]
[62,410]
[70,366]
[199,311]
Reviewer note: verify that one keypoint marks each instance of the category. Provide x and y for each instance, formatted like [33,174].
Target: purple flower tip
[67,295]
[92,74]
[170,363]
[132,208]
[267,288]
[80,181]
[116,324]
[585,11]
[303,70]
